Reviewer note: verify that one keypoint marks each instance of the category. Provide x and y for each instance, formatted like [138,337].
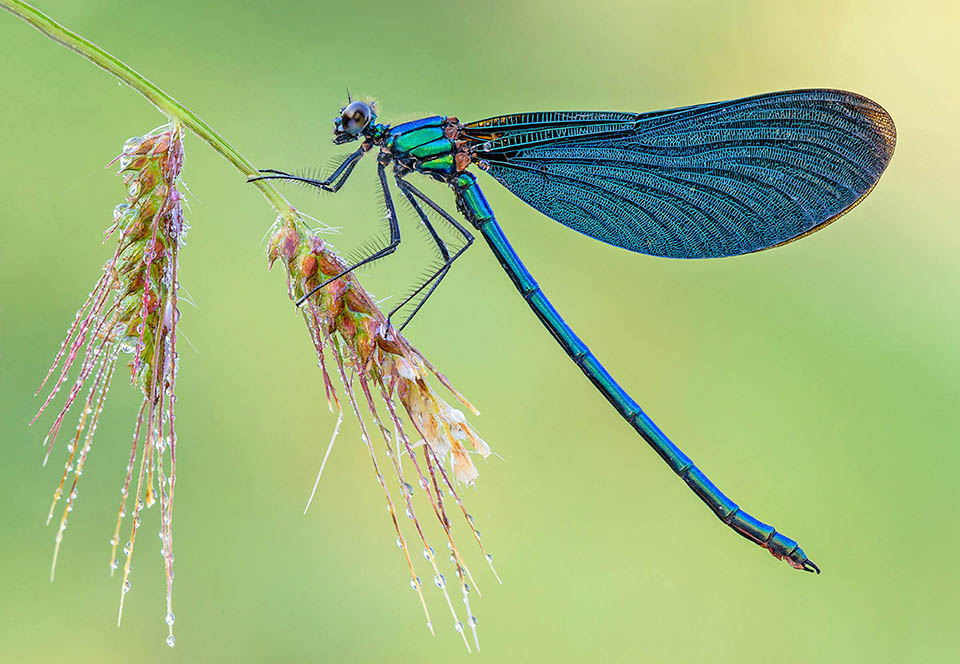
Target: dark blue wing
[697,182]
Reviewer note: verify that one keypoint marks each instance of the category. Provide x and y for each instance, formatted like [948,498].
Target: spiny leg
[332,183]
[410,192]
[441,246]
[433,279]
[386,251]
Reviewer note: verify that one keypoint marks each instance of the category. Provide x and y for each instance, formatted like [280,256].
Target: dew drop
[170,618]
[458,626]
[474,621]
[399,543]
[424,483]
[428,552]
[126,587]
[415,583]
[440,581]
[171,641]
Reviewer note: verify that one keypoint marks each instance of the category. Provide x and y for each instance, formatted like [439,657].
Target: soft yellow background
[816,384]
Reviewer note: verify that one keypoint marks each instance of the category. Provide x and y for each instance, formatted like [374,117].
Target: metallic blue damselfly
[704,181]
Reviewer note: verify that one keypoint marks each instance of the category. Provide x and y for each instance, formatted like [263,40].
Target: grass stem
[166,104]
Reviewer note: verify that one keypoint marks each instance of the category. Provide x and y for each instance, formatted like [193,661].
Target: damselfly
[705,181]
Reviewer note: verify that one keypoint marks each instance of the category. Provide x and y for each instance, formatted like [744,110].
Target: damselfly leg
[332,183]
[380,253]
[441,247]
[412,193]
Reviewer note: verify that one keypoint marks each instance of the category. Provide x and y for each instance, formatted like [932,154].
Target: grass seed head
[131,311]
[350,333]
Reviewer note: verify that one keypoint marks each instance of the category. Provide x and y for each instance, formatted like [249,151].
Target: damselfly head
[354,118]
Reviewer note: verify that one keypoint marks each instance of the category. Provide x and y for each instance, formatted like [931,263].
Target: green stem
[164,102]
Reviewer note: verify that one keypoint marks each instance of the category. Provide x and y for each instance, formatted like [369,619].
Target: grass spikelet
[132,310]
[350,334]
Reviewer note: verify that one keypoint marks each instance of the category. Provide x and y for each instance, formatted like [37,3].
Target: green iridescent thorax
[408,141]
[425,144]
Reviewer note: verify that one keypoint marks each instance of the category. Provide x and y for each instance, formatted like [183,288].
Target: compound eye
[355,117]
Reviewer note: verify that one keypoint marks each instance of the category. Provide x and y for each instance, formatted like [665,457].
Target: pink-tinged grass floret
[132,310]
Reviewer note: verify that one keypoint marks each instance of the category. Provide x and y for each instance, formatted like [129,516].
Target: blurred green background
[817,384]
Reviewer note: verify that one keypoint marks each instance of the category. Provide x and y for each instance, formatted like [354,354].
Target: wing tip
[879,119]
[886,129]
